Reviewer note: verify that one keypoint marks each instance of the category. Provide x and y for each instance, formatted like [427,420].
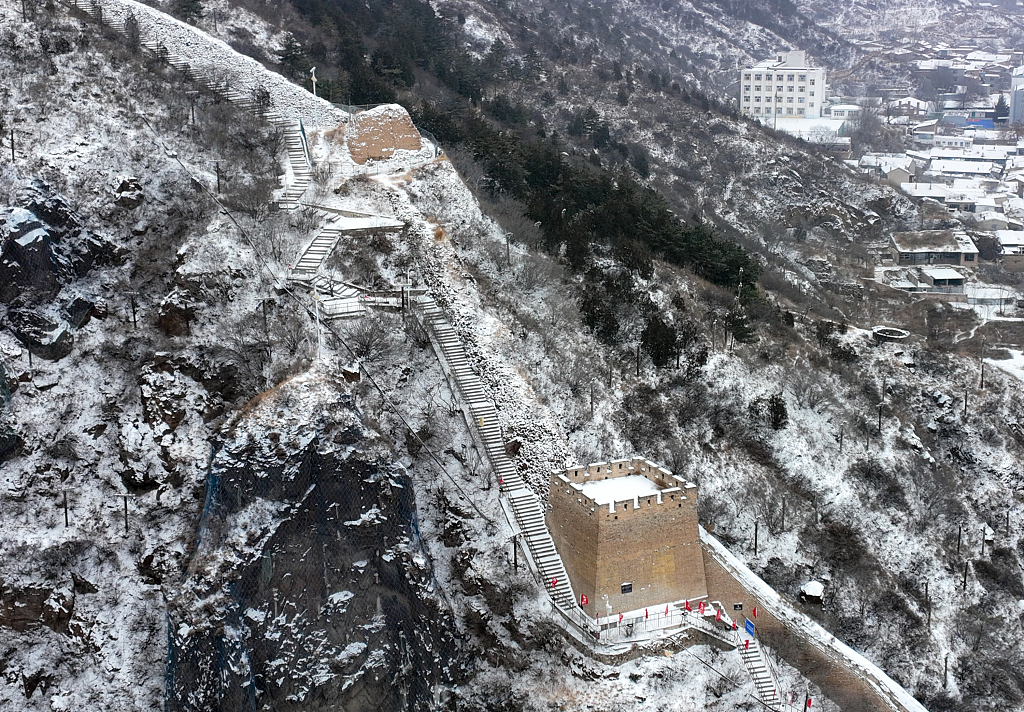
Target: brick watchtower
[627,533]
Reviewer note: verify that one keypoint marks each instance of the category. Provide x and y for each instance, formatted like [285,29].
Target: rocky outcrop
[310,591]
[22,607]
[27,259]
[42,335]
[128,194]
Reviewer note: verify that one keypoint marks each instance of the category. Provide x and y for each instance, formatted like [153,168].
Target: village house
[1011,247]
[933,247]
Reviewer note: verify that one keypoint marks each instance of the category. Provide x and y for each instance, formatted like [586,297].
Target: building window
[746,98]
[812,103]
[746,87]
[747,77]
[789,77]
[812,82]
[779,110]
[968,258]
[789,100]
[757,77]
[789,88]
[757,100]
[757,87]
[757,109]
[778,78]
[802,78]
[811,93]
[800,111]
[801,88]
[799,100]
[789,109]
[627,587]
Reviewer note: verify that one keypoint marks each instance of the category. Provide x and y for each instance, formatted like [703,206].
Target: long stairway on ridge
[528,510]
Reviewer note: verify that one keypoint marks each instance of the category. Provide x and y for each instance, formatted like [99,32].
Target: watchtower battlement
[637,480]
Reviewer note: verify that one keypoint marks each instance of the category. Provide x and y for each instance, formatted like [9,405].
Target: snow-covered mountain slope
[138,399]
[136,406]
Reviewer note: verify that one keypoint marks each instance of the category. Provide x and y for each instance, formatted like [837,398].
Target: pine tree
[189,10]
[659,340]
[291,56]
[1002,108]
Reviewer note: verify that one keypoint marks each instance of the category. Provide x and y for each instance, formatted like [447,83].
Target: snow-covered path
[210,57]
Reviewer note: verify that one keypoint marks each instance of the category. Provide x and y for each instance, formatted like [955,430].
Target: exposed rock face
[44,244]
[22,607]
[45,337]
[310,590]
[27,260]
[177,310]
[128,194]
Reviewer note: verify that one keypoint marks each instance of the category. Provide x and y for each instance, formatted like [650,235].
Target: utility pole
[959,537]
[65,509]
[840,440]
[879,418]
[638,359]
[217,164]
[983,364]
[755,537]
[12,135]
[928,602]
[125,514]
[131,296]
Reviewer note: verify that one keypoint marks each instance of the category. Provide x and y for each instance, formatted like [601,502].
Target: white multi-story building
[783,87]
[1017,96]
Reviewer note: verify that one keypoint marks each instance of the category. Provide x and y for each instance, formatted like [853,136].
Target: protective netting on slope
[308,587]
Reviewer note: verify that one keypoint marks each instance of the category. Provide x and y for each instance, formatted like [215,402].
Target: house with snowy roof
[933,247]
[627,533]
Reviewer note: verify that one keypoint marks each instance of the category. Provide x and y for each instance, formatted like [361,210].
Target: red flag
[666,609]
[746,644]
[755,611]
[583,599]
[808,703]
[688,606]
[554,582]
[700,608]
[718,614]
[645,614]
[620,618]
[734,625]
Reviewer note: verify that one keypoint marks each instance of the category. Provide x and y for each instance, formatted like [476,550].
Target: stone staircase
[526,507]
[754,661]
[316,252]
[298,158]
